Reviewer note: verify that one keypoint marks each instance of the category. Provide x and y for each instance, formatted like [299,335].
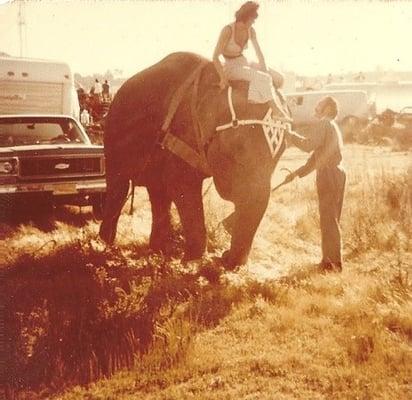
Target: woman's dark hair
[246,11]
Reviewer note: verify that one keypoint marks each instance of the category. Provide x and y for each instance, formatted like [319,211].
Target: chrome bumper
[56,188]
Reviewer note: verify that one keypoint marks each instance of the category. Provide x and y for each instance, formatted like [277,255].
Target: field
[85,322]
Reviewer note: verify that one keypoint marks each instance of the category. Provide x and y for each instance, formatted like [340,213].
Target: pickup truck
[48,158]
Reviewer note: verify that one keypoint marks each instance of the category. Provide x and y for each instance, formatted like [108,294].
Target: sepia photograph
[205,199]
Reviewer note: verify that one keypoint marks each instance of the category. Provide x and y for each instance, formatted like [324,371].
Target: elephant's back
[143,99]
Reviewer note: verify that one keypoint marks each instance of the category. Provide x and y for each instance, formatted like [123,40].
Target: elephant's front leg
[188,200]
[249,211]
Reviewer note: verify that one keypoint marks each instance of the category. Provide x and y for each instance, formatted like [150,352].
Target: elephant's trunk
[243,224]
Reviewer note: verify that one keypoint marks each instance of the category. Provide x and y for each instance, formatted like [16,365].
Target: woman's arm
[258,51]
[221,44]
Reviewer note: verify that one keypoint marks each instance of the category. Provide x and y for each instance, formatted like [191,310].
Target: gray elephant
[169,127]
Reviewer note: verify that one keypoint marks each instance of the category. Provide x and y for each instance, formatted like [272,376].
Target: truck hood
[50,149]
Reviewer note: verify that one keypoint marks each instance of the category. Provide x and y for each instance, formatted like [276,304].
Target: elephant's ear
[208,113]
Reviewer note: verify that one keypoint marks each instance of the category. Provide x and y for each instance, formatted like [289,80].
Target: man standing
[106,91]
[97,89]
[330,178]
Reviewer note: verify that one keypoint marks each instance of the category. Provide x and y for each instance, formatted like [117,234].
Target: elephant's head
[242,159]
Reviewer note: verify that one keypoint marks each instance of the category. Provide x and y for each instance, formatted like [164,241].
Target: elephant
[238,157]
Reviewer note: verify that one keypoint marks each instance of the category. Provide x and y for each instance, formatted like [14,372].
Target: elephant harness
[273,129]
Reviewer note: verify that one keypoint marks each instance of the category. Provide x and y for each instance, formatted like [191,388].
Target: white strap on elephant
[273,129]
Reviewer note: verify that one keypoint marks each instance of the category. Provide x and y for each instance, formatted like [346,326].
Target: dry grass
[277,329]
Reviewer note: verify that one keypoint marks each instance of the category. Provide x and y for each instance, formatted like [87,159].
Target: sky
[307,37]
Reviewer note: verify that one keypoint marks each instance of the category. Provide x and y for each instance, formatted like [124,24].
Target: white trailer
[31,86]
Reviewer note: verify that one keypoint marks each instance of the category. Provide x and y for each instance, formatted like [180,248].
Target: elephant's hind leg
[162,233]
[190,207]
[116,194]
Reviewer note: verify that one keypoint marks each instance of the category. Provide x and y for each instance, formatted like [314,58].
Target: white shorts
[261,88]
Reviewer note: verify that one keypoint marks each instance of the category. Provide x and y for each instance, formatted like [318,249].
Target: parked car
[369,87]
[405,117]
[392,95]
[403,125]
[355,109]
[48,158]
[390,128]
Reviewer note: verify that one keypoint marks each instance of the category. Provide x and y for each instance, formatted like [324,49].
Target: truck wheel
[98,202]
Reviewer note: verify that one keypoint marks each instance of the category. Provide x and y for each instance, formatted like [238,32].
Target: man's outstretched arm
[309,166]
[301,142]
[320,156]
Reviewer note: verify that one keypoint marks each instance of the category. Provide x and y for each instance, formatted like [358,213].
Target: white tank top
[233,49]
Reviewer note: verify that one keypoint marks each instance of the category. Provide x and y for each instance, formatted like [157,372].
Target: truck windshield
[31,131]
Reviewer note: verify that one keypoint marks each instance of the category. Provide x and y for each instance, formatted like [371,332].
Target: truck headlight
[9,166]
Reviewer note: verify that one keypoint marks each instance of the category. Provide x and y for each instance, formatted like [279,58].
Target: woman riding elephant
[232,41]
[170,126]
[238,142]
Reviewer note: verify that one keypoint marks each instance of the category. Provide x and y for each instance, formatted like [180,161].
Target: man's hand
[289,133]
[289,136]
[290,177]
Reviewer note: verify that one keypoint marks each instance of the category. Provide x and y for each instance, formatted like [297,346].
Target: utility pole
[22,25]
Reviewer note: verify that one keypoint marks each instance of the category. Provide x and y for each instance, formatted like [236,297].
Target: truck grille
[49,167]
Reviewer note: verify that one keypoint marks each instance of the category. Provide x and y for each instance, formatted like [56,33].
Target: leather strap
[179,94]
[185,152]
[196,159]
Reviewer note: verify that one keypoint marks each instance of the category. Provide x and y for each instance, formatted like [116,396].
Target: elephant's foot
[162,243]
[195,247]
[193,253]
[107,234]
[231,261]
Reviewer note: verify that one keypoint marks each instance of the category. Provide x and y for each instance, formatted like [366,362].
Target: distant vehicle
[393,95]
[354,111]
[31,86]
[405,117]
[369,87]
[403,127]
[389,128]
[51,159]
